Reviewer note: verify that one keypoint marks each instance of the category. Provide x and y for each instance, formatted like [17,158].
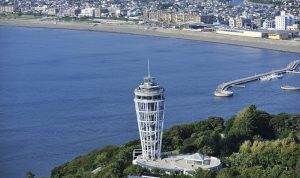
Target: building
[278,36]
[114,11]
[208,19]
[7,9]
[52,11]
[282,21]
[295,27]
[71,12]
[232,22]
[240,22]
[268,24]
[257,23]
[149,106]
[245,33]
[87,12]
[97,12]
[104,12]
[172,17]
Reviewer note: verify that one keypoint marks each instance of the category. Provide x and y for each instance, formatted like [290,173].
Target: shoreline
[278,45]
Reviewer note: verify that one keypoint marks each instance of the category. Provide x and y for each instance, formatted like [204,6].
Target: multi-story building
[208,19]
[257,23]
[282,21]
[295,27]
[52,11]
[232,22]
[88,12]
[171,17]
[97,12]
[268,24]
[240,22]
[7,9]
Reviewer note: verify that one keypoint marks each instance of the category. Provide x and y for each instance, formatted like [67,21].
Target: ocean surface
[64,93]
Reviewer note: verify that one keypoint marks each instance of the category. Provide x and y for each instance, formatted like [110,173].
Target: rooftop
[182,163]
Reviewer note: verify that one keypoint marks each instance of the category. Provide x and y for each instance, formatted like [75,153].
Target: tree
[227,173]
[216,123]
[248,123]
[29,174]
[243,123]
[246,147]
[135,170]
[189,148]
[174,137]
[200,173]
[229,123]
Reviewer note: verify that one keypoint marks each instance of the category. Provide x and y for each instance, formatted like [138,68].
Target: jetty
[222,89]
[289,87]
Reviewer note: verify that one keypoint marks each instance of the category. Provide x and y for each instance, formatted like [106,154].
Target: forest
[250,144]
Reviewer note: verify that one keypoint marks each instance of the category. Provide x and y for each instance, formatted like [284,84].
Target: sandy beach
[279,45]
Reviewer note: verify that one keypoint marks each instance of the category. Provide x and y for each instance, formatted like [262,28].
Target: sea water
[64,93]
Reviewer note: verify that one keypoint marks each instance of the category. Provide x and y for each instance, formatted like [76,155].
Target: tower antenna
[148,68]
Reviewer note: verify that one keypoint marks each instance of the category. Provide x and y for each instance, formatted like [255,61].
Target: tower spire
[148,68]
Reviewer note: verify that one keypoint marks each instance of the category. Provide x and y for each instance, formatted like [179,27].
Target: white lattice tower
[149,106]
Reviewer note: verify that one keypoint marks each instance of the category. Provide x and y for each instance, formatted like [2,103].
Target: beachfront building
[268,24]
[114,11]
[245,33]
[87,12]
[240,22]
[176,17]
[7,9]
[257,23]
[41,9]
[295,27]
[207,19]
[284,20]
[232,22]
[149,105]
[52,11]
[278,36]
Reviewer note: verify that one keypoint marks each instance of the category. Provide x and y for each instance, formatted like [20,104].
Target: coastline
[278,45]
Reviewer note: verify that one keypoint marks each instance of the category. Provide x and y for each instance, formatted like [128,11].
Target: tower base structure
[181,163]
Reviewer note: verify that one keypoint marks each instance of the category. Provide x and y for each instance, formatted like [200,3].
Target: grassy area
[16,16]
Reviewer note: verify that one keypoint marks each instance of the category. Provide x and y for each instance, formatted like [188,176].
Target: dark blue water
[64,93]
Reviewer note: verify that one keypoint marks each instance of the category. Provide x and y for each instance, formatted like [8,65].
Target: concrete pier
[222,89]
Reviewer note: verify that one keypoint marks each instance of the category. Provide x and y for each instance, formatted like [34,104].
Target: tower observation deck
[149,106]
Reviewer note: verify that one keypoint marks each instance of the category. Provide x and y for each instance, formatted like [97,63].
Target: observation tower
[149,106]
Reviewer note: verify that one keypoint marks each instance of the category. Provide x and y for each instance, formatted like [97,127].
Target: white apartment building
[282,21]
[87,12]
[7,9]
[268,24]
[232,22]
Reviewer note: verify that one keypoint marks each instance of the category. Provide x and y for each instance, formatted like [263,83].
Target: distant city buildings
[169,14]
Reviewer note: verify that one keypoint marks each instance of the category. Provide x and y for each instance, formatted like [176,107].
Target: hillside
[252,143]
